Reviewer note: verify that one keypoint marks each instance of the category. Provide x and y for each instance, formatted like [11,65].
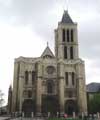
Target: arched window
[50,87]
[71,53]
[26,77]
[72,35]
[29,94]
[65,52]
[67,35]
[24,93]
[66,78]
[63,35]
[33,77]
[73,78]
[70,94]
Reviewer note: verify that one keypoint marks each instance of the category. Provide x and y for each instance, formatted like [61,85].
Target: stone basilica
[51,83]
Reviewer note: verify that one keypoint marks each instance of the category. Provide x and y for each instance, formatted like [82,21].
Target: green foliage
[94,103]
[63,119]
[1,98]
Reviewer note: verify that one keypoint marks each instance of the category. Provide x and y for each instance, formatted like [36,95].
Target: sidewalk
[3,118]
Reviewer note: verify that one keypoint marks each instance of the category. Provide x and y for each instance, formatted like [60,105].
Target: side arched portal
[70,107]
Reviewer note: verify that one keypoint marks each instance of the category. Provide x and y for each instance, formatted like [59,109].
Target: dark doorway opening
[50,104]
[70,107]
[28,107]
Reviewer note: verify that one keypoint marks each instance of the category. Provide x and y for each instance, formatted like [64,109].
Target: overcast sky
[27,25]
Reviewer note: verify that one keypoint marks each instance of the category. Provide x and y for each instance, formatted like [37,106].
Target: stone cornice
[61,77]
[69,61]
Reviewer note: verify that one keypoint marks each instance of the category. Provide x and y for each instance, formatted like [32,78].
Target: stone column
[15,85]
[81,88]
[39,90]
[76,49]
[56,43]
[60,52]
[59,44]
[21,83]
[61,89]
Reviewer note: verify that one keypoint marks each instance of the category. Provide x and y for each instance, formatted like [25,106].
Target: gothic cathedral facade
[52,83]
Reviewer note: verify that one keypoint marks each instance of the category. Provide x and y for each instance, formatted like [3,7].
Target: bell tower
[66,42]
[71,69]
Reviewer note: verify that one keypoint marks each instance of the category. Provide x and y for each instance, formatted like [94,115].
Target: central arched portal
[50,104]
[28,107]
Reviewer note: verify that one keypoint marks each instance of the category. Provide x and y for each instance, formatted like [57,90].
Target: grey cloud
[27,11]
[31,9]
[34,12]
[89,39]
[37,13]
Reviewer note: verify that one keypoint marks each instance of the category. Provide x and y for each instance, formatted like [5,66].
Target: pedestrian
[65,115]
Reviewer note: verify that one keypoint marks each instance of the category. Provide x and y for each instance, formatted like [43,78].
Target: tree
[1,100]
[94,103]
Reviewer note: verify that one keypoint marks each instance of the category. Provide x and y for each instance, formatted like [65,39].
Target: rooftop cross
[66,4]
[47,44]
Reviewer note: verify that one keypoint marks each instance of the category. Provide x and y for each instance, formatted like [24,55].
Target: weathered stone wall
[61,65]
